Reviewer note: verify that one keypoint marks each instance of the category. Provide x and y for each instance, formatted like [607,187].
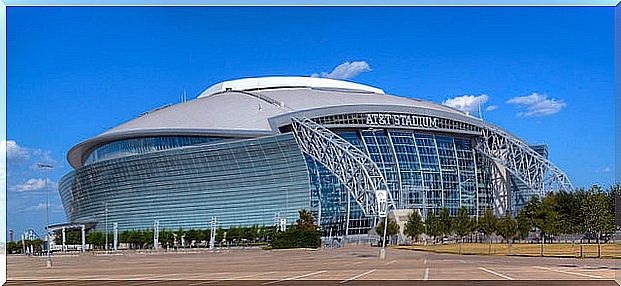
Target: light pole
[24,243]
[156,234]
[381,198]
[115,231]
[45,168]
[383,250]
[106,218]
[212,234]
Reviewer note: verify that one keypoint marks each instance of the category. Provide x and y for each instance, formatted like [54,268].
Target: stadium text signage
[401,120]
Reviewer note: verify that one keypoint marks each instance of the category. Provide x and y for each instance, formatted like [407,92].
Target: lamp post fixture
[45,168]
[381,198]
[106,215]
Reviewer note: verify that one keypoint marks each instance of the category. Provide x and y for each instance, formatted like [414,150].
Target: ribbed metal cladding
[242,183]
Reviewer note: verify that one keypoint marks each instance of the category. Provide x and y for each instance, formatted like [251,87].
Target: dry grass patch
[610,250]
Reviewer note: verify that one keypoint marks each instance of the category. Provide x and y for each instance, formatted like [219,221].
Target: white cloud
[41,206]
[538,104]
[33,185]
[13,151]
[467,103]
[346,70]
[491,108]
[16,154]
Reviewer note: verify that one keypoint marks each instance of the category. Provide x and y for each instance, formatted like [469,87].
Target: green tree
[507,227]
[251,233]
[219,234]
[13,247]
[614,199]
[179,234]
[294,237]
[305,220]
[206,234]
[431,225]
[488,224]
[192,235]
[166,238]
[136,239]
[391,230]
[462,225]
[523,224]
[147,238]
[96,238]
[551,219]
[73,237]
[569,207]
[445,222]
[597,216]
[544,215]
[414,227]
[232,234]
[303,234]
[36,244]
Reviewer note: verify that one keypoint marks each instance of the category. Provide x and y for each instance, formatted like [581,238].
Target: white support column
[156,235]
[24,242]
[83,229]
[115,230]
[212,234]
[64,240]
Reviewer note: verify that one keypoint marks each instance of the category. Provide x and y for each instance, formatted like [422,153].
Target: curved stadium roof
[243,108]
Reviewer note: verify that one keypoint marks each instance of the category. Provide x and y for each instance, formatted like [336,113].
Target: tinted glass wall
[242,183]
[134,146]
[423,171]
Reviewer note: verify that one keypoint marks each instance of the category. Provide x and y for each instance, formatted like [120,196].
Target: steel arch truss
[530,167]
[358,173]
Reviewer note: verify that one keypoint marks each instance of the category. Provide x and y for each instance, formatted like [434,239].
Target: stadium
[255,151]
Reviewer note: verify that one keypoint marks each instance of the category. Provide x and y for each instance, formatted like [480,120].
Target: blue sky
[545,74]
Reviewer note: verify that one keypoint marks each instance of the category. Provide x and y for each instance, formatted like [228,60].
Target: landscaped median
[609,250]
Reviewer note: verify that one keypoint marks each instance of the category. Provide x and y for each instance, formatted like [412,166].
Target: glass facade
[134,146]
[423,171]
[252,181]
[242,183]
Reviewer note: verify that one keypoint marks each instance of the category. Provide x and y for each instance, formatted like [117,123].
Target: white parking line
[390,262]
[295,277]
[567,272]
[454,260]
[52,282]
[426,277]
[358,276]
[496,273]
[153,279]
[208,276]
[232,278]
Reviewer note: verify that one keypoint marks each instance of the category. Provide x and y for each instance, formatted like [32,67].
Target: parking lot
[336,266]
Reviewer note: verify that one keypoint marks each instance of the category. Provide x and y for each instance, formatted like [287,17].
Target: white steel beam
[530,167]
[358,173]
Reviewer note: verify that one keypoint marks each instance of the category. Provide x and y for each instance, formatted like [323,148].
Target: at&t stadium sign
[403,120]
